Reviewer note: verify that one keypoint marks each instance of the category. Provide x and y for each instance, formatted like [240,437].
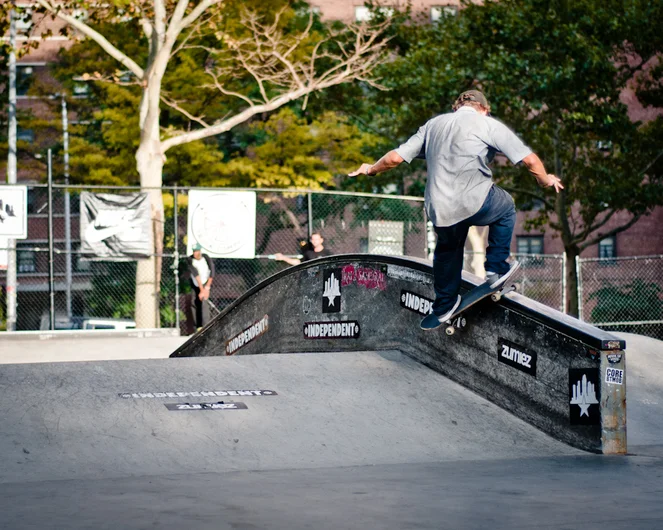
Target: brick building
[644,238]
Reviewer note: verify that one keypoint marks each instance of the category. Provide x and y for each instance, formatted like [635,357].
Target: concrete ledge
[87,334]
[555,372]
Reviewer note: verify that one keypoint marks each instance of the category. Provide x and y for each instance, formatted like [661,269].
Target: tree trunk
[148,271]
[149,162]
[572,306]
[478,243]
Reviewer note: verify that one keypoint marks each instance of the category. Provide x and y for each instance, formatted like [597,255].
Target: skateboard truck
[459,322]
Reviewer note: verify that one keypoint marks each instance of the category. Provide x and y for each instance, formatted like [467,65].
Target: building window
[25,135]
[81,89]
[530,245]
[364,14]
[437,13]
[608,247]
[23,79]
[26,261]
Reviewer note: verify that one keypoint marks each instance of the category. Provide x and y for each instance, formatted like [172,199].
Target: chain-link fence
[540,277]
[622,294]
[102,294]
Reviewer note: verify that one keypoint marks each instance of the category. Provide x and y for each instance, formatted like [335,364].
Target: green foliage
[289,151]
[112,295]
[555,72]
[637,301]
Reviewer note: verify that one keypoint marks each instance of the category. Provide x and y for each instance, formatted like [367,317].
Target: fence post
[177,261]
[310,214]
[564,282]
[579,276]
[51,286]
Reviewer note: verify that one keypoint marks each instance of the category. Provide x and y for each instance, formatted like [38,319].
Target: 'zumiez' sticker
[417,303]
[516,356]
[200,393]
[332,330]
[233,405]
[249,334]
[614,376]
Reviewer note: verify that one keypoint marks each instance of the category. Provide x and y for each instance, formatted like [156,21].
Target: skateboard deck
[473,296]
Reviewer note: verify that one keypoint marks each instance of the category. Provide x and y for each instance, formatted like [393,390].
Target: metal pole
[564,282]
[310,214]
[51,285]
[177,261]
[67,207]
[11,173]
[579,276]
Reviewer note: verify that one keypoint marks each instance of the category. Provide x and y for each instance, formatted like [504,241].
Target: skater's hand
[363,170]
[551,181]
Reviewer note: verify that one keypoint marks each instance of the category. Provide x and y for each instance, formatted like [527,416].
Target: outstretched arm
[387,162]
[536,168]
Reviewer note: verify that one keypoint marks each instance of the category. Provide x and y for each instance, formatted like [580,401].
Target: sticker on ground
[201,393]
[220,405]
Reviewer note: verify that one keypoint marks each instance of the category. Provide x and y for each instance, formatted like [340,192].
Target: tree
[555,72]
[259,55]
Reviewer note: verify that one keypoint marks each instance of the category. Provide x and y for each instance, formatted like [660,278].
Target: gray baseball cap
[473,95]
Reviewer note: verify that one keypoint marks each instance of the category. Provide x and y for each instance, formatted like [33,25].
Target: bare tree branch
[529,193]
[609,233]
[97,37]
[174,105]
[267,56]
[196,12]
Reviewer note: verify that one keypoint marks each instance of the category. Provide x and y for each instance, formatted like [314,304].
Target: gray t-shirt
[458,148]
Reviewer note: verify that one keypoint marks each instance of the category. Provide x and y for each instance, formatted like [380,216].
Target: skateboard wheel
[450,330]
[495,297]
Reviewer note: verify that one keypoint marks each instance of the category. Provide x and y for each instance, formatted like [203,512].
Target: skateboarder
[458,147]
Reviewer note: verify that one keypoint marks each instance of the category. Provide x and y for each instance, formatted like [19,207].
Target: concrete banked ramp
[555,372]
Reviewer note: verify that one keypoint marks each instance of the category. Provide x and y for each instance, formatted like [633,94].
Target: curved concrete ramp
[553,371]
[110,419]
[645,394]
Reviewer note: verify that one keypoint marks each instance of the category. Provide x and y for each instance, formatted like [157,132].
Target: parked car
[81,322]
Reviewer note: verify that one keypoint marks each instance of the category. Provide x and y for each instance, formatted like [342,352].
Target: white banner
[14,212]
[115,227]
[223,223]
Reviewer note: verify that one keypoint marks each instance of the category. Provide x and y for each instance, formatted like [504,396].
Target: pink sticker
[369,278]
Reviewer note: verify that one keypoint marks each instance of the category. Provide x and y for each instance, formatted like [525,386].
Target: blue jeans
[499,213]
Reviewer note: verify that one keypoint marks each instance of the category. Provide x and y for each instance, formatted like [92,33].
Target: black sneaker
[433,321]
[496,280]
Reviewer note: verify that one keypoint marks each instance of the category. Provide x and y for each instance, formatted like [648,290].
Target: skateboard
[456,321]
[478,293]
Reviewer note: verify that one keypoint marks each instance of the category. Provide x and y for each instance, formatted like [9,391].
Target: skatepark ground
[345,440]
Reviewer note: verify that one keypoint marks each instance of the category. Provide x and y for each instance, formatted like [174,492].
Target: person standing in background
[201,276]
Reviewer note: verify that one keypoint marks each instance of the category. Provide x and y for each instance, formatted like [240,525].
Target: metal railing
[617,293]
